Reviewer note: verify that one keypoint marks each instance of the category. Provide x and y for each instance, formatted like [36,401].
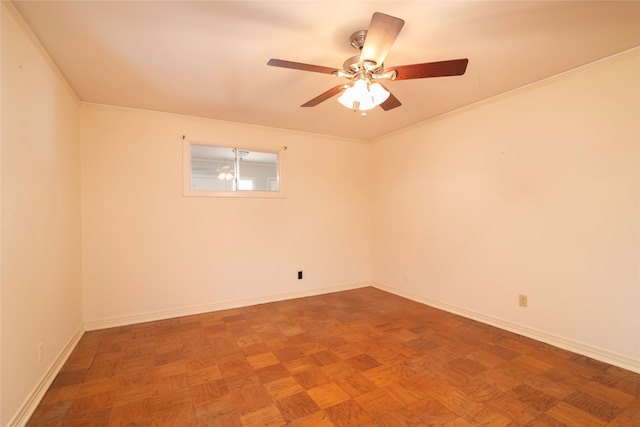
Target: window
[219,171]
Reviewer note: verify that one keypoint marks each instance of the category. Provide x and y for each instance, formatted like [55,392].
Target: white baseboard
[221,305]
[593,352]
[43,385]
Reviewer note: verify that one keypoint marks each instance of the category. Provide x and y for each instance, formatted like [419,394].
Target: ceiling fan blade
[300,66]
[454,67]
[381,34]
[323,96]
[390,103]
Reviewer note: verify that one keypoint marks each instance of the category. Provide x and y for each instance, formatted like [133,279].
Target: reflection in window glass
[230,169]
[261,169]
[245,184]
[212,168]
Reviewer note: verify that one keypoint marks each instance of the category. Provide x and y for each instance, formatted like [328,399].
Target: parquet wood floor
[356,358]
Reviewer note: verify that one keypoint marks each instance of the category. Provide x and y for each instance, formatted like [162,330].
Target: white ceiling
[208,58]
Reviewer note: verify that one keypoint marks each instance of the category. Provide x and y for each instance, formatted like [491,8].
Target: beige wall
[41,295]
[534,193]
[150,252]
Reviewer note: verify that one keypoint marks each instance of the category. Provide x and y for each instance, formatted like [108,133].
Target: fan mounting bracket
[357,39]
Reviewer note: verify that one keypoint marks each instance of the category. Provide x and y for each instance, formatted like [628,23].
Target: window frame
[272,149]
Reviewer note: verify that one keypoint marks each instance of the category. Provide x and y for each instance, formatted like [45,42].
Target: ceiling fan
[365,70]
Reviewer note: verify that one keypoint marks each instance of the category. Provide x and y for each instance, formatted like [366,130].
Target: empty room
[319,213]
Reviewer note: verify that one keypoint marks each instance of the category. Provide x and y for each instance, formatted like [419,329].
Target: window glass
[212,168]
[227,171]
[261,169]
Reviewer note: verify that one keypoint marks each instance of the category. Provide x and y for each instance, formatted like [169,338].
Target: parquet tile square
[429,412]
[209,391]
[234,368]
[485,358]
[182,416]
[216,411]
[238,384]
[263,360]
[296,406]
[136,412]
[312,377]
[82,359]
[67,378]
[283,387]
[381,375]
[271,373]
[89,404]
[268,416]
[251,398]
[46,415]
[98,386]
[324,357]
[348,414]
[467,365]
[354,358]
[255,349]
[378,402]
[60,395]
[355,385]
[626,383]
[204,375]
[89,419]
[478,390]
[317,419]
[550,387]
[546,421]
[534,398]
[196,361]
[393,352]
[328,395]
[133,392]
[176,367]
[454,399]
[363,362]
[404,394]
[494,420]
[594,406]
[170,384]
[338,370]
[607,394]
[572,416]
[167,356]
[511,406]
[172,400]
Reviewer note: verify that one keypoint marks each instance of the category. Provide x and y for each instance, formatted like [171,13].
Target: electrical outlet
[40,352]
[299,275]
[522,300]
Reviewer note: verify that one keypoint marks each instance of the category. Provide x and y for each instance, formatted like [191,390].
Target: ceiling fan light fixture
[361,95]
[379,93]
[225,174]
[350,96]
